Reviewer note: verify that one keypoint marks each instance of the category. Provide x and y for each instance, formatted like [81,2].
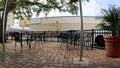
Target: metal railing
[50,36]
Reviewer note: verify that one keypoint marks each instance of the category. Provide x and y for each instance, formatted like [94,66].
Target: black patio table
[20,37]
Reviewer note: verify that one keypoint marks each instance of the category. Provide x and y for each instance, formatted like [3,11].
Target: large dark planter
[112,45]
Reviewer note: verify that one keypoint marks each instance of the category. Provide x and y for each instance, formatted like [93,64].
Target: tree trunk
[1,30]
[8,9]
[1,27]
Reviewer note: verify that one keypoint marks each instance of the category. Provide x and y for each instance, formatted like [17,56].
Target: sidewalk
[53,55]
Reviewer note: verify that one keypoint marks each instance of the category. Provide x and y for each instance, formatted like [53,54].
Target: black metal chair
[99,41]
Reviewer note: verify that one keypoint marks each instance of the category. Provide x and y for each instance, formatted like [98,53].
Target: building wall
[10,20]
[25,23]
[65,23]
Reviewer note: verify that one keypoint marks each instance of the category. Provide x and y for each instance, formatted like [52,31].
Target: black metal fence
[90,37]
[95,38]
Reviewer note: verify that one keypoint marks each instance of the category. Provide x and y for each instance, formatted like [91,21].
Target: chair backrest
[99,40]
[17,36]
[87,37]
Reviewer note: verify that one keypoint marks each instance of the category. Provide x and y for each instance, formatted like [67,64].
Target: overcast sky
[91,8]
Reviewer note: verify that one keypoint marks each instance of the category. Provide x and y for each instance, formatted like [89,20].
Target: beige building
[10,21]
[63,23]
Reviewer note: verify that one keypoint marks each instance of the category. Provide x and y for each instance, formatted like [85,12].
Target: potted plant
[111,22]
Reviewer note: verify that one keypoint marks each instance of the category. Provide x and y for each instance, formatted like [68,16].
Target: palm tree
[111,20]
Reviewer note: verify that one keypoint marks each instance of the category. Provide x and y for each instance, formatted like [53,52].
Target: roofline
[68,16]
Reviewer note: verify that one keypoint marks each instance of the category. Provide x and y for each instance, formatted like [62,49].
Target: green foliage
[25,8]
[55,25]
[111,20]
[26,25]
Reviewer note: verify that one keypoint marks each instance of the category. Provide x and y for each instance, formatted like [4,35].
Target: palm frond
[110,19]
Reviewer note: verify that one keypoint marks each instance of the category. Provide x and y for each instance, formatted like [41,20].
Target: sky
[91,8]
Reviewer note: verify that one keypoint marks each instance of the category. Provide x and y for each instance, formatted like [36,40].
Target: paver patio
[53,55]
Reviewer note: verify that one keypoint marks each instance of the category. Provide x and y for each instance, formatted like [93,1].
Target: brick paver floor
[52,55]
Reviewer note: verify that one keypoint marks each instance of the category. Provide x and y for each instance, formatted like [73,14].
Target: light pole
[81,32]
[4,16]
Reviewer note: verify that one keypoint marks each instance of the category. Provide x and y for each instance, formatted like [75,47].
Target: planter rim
[111,36]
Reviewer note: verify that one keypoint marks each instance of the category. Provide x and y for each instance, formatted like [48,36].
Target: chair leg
[15,45]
